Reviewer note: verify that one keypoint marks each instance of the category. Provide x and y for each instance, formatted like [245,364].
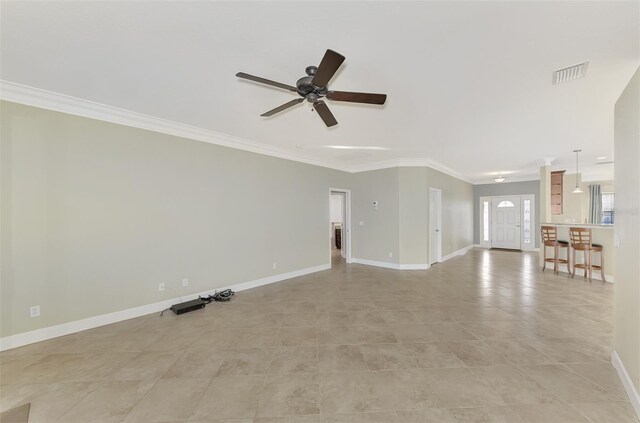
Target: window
[485,221]
[526,205]
[607,208]
[505,203]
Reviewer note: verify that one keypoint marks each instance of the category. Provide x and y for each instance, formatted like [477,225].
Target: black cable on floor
[219,296]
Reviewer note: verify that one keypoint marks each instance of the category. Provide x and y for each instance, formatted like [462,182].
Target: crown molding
[508,180]
[414,162]
[44,99]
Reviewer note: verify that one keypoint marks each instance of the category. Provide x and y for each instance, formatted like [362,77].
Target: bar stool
[581,240]
[549,238]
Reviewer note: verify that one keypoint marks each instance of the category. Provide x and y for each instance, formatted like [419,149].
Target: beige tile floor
[486,337]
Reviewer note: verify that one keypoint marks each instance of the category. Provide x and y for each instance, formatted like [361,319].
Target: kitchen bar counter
[602,234]
[579,225]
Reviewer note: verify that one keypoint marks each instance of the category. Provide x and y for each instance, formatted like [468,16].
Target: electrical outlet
[275,265]
[185,282]
[161,287]
[390,254]
[35,311]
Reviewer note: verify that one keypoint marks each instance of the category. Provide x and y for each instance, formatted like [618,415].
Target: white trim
[418,266]
[628,384]
[409,162]
[25,338]
[347,220]
[522,197]
[437,257]
[394,266]
[36,97]
[460,252]
[508,180]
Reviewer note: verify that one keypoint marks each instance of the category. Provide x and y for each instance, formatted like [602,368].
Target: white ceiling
[469,84]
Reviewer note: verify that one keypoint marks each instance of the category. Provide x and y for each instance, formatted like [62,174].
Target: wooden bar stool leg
[584,261]
[604,280]
[590,266]
[573,270]
[568,261]
[555,258]
[544,257]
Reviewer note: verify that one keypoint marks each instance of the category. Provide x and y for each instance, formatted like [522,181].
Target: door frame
[435,256]
[523,247]
[346,236]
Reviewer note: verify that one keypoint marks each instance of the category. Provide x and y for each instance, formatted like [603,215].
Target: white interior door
[435,218]
[505,222]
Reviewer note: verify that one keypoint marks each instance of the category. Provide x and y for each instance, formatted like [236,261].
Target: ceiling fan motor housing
[306,88]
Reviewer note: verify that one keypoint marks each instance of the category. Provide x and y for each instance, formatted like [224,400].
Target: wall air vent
[570,73]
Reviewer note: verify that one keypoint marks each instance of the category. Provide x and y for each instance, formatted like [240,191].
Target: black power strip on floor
[188,306]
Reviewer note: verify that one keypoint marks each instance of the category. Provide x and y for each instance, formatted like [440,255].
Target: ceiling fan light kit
[313,88]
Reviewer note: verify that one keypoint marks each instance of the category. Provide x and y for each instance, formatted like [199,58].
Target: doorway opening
[435,225]
[339,226]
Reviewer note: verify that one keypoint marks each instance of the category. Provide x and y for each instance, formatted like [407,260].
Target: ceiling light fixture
[577,189]
[499,179]
[601,158]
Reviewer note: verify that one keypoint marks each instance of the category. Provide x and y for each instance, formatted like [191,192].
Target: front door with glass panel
[505,222]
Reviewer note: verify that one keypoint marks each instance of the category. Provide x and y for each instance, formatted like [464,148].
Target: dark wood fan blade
[265,81]
[283,107]
[327,68]
[357,97]
[325,113]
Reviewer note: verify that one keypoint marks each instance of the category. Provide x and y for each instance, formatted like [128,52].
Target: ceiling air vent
[570,73]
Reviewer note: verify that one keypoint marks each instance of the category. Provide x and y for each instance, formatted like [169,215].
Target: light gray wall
[627,229]
[378,235]
[457,210]
[401,223]
[99,211]
[414,215]
[95,215]
[509,188]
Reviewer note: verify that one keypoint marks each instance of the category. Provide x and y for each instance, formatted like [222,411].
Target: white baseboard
[417,266]
[387,265]
[632,392]
[536,249]
[26,338]
[460,252]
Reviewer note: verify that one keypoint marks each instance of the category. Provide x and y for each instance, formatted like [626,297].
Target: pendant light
[577,189]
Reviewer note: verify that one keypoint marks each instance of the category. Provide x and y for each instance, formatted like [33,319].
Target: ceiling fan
[313,88]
